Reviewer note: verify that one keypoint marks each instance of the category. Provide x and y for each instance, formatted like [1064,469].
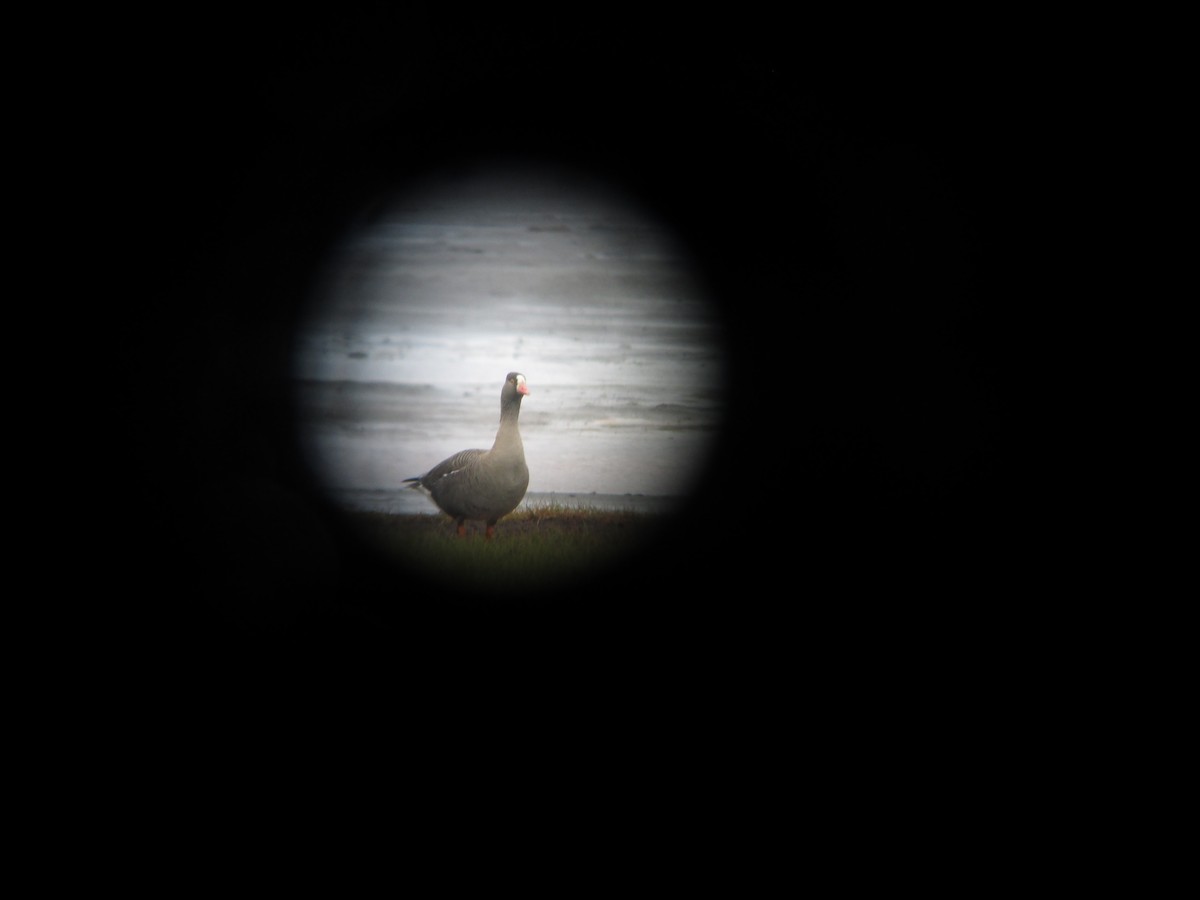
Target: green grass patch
[534,549]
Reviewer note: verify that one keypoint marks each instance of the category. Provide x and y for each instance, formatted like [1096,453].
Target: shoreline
[407,501]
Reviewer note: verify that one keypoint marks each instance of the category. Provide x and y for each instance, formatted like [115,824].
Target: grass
[534,549]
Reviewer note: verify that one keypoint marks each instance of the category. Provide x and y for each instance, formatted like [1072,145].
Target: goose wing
[455,463]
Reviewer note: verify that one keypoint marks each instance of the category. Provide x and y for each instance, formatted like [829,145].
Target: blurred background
[740,270]
[446,288]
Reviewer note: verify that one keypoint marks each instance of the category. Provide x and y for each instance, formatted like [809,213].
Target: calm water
[428,306]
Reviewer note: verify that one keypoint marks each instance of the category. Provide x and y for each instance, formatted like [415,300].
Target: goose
[484,484]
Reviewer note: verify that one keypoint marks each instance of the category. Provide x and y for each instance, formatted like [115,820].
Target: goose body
[484,485]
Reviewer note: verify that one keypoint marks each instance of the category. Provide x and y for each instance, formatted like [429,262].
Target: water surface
[426,308]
